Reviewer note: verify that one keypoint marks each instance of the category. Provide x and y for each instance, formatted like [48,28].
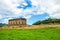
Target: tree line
[48,21]
[1,24]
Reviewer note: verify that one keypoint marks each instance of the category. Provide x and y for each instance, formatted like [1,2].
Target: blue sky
[32,10]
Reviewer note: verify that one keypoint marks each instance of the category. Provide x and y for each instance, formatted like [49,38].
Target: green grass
[30,34]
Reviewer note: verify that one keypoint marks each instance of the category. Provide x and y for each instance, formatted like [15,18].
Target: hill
[48,21]
[30,34]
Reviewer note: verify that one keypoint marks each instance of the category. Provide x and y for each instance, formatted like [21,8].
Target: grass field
[30,34]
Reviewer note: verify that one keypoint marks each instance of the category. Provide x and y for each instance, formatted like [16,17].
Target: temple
[17,22]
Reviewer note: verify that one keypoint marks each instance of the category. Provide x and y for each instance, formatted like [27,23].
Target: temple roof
[17,19]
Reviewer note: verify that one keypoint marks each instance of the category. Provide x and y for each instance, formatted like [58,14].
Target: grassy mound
[30,34]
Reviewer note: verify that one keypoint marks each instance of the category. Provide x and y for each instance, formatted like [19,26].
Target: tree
[1,24]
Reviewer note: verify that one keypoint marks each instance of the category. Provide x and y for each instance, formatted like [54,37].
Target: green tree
[1,24]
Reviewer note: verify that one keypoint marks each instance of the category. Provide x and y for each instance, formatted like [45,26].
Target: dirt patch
[29,26]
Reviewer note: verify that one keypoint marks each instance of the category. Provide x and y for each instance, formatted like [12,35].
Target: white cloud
[6,20]
[27,17]
[1,16]
[8,8]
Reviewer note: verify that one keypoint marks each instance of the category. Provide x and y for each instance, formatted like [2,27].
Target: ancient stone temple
[17,22]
